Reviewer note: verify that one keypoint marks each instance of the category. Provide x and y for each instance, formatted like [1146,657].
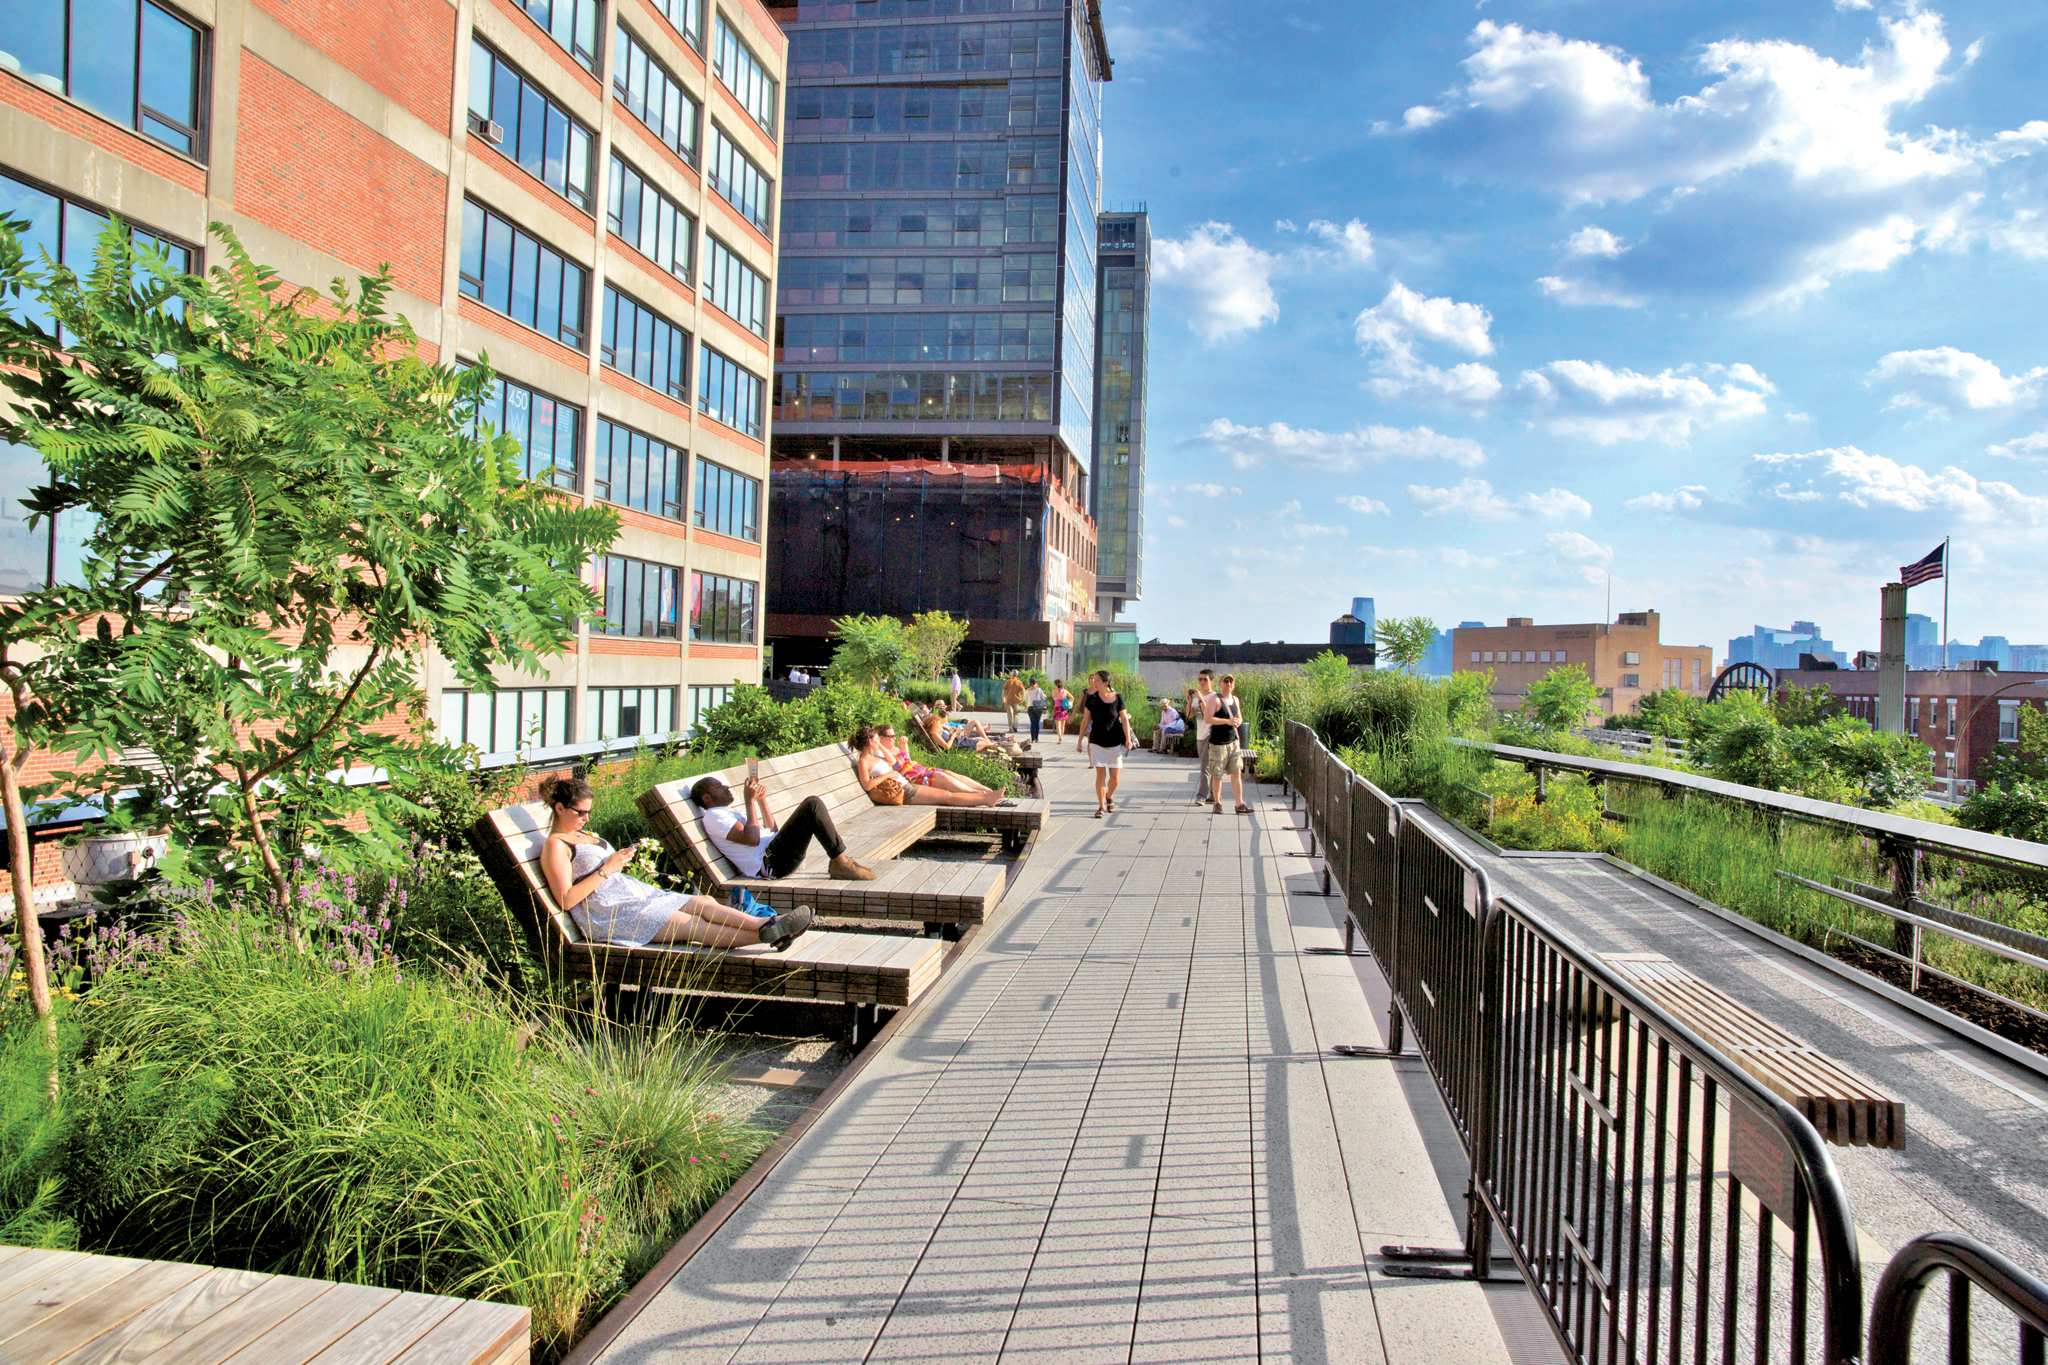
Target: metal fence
[1969,1264]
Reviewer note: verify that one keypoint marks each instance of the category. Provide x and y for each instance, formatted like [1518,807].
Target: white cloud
[1358,502]
[2025,448]
[1395,322]
[1778,134]
[1210,490]
[1844,477]
[1284,225]
[1475,500]
[1354,239]
[1578,556]
[1278,443]
[1140,42]
[1464,559]
[1311,531]
[1588,398]
[1593,241]
[1690,498]
[1945,378]
[1230,281]
[1470,384]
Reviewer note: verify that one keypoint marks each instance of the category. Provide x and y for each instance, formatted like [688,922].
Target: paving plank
[169,1318]
[86,1318]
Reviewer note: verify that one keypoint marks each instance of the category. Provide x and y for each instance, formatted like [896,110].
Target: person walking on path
[1105,734]
[1013,698]
[1062,704]
[956,690]
[1198,708]
[1223,717]
[1034,706]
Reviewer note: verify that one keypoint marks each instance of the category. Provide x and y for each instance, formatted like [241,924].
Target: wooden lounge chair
[1026,765]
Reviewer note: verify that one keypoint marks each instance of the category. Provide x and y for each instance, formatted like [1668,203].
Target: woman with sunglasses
[588,879]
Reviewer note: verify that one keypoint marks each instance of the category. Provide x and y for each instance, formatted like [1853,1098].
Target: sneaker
[786,929]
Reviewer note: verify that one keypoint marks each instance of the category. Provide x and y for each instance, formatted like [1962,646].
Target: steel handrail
[1972,1263]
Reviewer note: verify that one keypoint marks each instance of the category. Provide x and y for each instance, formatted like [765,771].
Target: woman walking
[1034,706]
[1062,704]
[1105,734]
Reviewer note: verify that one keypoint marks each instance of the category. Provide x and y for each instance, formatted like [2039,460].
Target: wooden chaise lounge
[1026,766]
[853,969]
[931,891]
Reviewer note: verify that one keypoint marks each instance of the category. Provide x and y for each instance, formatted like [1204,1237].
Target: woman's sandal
[1112,806]
[1098,812]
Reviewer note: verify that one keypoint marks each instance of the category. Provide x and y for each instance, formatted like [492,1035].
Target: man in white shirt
[1170,728]
[746,832]
[1198,705]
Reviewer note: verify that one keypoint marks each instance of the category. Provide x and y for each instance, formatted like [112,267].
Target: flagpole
[1944,604]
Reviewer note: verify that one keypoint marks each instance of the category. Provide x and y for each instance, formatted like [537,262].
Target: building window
[721,609]
[1475,656]
[70,232]
[549,431]
[2008,722]
[572,23]
[1695,675]
[897,396]
[640,342]
[916,338]
[639,598]
[728,502]
[741,183]
[654,96]
[1951,718]
[510,272]
[635,470]
[685,16]
[907,222]
[650,222]
[1912,714]
[1020,45]
[929,107]
[734,287]
[1560,656]
[729,393]
[1631,680]
[1631,657]
[507,720]
[904,166]
[915,279]
[706,698]
[628,712]
[742,73]
[137,64]
[534,131]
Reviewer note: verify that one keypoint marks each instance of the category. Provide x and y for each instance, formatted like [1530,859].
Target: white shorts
[1111,757]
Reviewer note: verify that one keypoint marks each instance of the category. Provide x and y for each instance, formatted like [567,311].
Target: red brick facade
[405,48]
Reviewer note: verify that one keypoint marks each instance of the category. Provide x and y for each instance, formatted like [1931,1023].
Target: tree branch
[334,717]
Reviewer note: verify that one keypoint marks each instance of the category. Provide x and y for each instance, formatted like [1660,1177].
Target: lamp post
[1970,718]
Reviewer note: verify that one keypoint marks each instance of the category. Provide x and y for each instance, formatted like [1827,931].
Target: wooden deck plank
[389,1332]
[168,1318]
[90,1316]
[242,1321]
[39,1297]
[17,1272]
[319,1324]
[476,1333]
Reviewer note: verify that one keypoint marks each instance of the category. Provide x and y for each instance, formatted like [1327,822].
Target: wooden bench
[931,891]
[1027,766]
[854,969]
[1846,1109]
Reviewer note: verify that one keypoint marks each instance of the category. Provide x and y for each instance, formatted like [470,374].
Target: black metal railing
[1969,1264]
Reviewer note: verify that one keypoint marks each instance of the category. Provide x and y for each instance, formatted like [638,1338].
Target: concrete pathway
[1114,1133]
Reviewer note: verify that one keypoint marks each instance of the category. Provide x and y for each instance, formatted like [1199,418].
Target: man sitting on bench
[751,841]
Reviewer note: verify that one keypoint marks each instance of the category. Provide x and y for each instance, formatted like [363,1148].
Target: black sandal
[1112,806]
[1098,812]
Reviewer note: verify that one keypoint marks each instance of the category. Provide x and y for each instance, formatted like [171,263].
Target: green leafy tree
[1406,640]
[931,641]
[287,507]
[2018,809]
[1799,707]
[1560,699]
[1329,671]
[870,649]
[1670,712]
[2024,761]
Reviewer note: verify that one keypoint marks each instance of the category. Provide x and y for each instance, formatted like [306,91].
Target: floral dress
[1059,705]
[622,910]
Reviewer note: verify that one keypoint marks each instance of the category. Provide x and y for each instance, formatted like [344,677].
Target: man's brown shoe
[845,869]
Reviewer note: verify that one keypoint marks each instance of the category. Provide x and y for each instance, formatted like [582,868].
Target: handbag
[889,790]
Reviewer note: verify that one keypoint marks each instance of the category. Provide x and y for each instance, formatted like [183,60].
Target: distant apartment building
[1962,715]
[1624,660]
[1123,305]
[584,192]
[1773,648]
[935,348]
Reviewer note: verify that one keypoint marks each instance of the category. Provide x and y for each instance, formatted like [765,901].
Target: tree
[1329,671]
[931,641]
[287,507]
[870,649]
[1406,640]
[1560,699]
[1800,707]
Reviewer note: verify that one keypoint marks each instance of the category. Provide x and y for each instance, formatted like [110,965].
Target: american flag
[1925,570]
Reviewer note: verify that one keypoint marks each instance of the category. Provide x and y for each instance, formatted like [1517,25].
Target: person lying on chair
[752,842]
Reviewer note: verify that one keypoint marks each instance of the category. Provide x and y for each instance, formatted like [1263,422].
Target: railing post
[1904,856]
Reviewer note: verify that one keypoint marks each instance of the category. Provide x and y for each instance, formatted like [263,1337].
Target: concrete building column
[1891,659]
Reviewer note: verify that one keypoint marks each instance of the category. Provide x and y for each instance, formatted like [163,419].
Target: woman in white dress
[588,879]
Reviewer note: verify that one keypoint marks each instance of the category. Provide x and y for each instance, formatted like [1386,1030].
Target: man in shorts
[1223,718]
[1198,702]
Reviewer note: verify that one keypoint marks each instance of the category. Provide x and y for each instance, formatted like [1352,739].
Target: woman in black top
[1105,732]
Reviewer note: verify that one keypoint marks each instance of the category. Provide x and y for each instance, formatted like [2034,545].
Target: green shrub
[2018,810]
[924,691]
[754,722]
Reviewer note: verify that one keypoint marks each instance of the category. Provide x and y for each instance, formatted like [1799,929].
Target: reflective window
[903,222]
[650,222]
[1005,46]
[740,182]
[507,720]
[734,287]
[902,396]
[133,61]
[914,337]
[640,342]
[636,470]
[721,609]
[510,272]
[639,598]
[535,131]
[653,95]
[705,698]
[917,279]
[728,502]
[730,393]
[685,16]
[572,23]
[925,108]
[741,72]
[629,712]
[549,431]
[896,165]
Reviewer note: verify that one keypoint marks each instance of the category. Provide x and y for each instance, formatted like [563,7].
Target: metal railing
[1969,1264]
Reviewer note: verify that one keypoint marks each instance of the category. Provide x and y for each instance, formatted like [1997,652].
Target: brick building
[1962,715]
[1624,660]
[585,189]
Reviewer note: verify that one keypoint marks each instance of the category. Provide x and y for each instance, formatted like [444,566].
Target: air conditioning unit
[488,129]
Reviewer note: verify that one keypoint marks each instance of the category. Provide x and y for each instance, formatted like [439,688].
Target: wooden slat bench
[74,1308]
[931,891]
[1027,766]
[1846,1109]
[839,967]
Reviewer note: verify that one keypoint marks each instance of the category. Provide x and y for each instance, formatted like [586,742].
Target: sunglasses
[583,811]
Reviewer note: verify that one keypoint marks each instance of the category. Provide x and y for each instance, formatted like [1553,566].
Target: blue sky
[1465,307]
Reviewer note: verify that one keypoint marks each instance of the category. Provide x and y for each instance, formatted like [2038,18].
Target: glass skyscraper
[935,339]
[1123,244]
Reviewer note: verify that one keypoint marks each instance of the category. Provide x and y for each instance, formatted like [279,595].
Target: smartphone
[753,770]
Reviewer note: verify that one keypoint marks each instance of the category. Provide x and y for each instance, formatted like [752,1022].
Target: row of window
[918,279]
[1521,656]
[921,165]
[741,183]
[133,61]
[1674,672]
[571,23]
[651,93]
[728,392]
[741,72]
[917,9]
[649,221]
[920,222]
[639,471]
[925,108]
[511,719]
[640,600]
[915,337]
[637,341]
[1016,46]
[895,397]
[735,288]
[512,273]
[534,131]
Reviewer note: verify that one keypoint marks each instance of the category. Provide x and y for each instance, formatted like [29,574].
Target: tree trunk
[21,872]
[279,883]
